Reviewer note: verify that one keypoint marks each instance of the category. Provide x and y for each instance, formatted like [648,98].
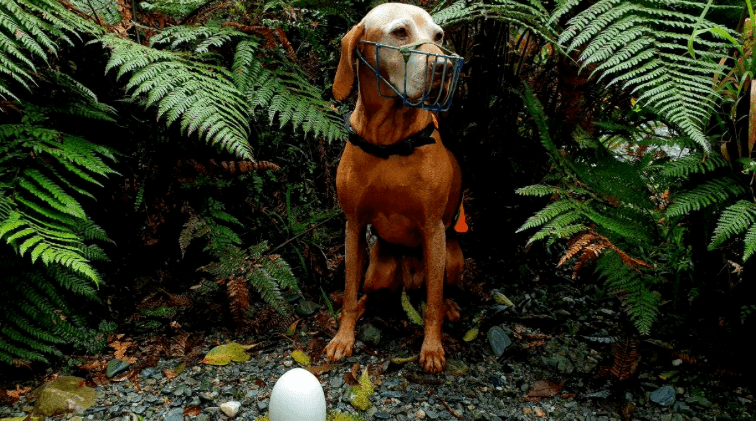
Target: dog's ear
[342,84]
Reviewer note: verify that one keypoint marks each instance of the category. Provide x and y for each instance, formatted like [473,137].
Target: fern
[692,164]
[712,192]
[36,321]
[529,15]
[268,274]
[199,95]
[632,285]
[30,32]
[644,47]
[736,219]
[40,217]
[285,93]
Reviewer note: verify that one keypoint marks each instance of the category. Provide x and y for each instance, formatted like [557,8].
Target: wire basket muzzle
[434,84]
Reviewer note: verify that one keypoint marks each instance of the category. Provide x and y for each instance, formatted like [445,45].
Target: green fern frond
[549,212]
[531,15]
[537,190]
[734,220]
[645,47]
[633,287]
[692,164]
[201,96]
[31,31]
[285,93]
[750,242]
[705,194]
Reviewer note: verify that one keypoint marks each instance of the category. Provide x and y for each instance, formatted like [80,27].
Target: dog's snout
[442,66]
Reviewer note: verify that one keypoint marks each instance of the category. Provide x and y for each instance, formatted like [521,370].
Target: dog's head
[400,45]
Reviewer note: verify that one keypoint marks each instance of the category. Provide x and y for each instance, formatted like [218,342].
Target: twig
[448,408]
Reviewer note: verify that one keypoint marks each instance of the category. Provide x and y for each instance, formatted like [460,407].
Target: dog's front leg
[434,253]
[341,344]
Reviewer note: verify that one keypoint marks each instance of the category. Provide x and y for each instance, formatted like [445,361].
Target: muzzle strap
[402,148]
[450,63]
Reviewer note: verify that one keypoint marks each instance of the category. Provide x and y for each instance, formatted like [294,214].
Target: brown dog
[409,199]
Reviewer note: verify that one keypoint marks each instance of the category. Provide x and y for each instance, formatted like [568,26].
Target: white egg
[297,396]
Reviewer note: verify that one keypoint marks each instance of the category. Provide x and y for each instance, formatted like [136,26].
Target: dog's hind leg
[382,269]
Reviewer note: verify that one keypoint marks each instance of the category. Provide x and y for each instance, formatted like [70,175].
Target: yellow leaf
[412,314]
[301,358]
[400,360]
[471,335]
[502,299]
[668,375]
[21,419]
[224,354]
[359,394]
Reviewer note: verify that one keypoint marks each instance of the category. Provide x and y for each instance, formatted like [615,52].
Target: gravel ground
[562,364]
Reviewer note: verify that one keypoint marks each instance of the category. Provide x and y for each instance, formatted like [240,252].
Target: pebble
[231,408]
[498,340]
[664,396]
[175,414]
[420,414]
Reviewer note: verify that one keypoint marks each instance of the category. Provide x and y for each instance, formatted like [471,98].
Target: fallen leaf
[292,328]
[320,369]
[301,358]
[192,411]
[544,389]
[224,354]
[471,335]
[404,360]
[169,374]
[359,395]
[502,299]
[412,314]
[668,375]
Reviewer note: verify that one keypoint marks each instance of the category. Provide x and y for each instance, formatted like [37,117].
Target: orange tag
[461,225]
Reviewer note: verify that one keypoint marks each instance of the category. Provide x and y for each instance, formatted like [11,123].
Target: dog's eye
[399,32]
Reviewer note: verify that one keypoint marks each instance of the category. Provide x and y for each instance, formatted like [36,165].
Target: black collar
[403,148]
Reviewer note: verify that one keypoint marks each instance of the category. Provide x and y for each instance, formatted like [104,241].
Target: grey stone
[498,340]
[149,372]
[382,415]
[336,382]
[370,334]
[664,396]
[262,405]
[175,414]
[700,400]
[116,366]
[306,308]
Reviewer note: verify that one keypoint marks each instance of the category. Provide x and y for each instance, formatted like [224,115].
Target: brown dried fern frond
[625,360]
[589,245]
[237,290]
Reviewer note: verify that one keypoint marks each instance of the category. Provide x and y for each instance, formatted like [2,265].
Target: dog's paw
[339,347]
[452,311]
[432,356]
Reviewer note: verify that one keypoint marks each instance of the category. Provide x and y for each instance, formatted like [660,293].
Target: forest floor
[563,356]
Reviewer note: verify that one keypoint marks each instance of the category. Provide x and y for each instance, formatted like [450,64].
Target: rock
[175,414]
[66,394]
[498,340]
[682,408]
[664,396]
[700,400]
[456,368]
[262,405]
[230,408]
[560,362]
[306,308]
[149,372]
[336,382]
[382,415]
[420,414]
[116,366]
[370,334]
